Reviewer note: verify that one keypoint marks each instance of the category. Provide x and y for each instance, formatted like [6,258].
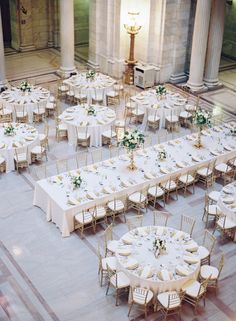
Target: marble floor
[45,277]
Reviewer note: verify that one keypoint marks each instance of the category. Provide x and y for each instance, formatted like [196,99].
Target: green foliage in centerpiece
[159,244]
[91,111]
[233,131]
[162,155]
[9,130]
[202,118]
[90,74]
[132,140]
[161,90]
[76,181]
[25,86]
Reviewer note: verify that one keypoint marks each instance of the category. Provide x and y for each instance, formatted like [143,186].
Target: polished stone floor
[44,277]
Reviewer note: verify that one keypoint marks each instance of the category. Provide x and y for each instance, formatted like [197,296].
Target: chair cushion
[42,137]
[109,134]
[207,270]
[50,105]
[21,114]
[37,150]
[6,112]
[163,299]
[100,212]
[122,280]
[203,252]
[130,104]
[116,205]
[228,223]
[137,197]
[192,287]
[63,88]
[224,168]
[185,114]
[2,160]
[139,298]
[186,179]
[21,157]
[204,172]
[169,185]
[213,210]
[214,195]
[153,119]
[39,111]
[110,261]
[86,219]
[156,191]
[112,94]
[83,136]
[172,119]
[62,126]
[112,245]
[137,112]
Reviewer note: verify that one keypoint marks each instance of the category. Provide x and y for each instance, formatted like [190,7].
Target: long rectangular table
[111,178]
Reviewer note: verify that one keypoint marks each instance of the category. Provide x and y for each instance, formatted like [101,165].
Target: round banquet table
[25,138]
[227,202]
[14,99]
[101,85]
[166,272]
[77,116]
[151,104]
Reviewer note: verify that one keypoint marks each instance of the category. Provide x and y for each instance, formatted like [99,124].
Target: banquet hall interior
[117,160]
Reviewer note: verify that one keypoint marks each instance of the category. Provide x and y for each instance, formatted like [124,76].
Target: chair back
[141,294]
[173,300]
[221,264]
[62,166]
[134,222]
[97,155]
[209,241]
[187,224]
[160,218]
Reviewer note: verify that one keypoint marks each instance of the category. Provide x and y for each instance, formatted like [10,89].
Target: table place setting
[117,177]
[158,257]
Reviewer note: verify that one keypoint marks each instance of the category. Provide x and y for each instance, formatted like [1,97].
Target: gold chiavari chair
[172,122]
[194,292]
[62,166]
[186,180]
[170,303]
[41,172]
[21,159]
[153,120]
[213,197]
[116,207]
[62,90]
[43,137]
[119,281]
[39,113]
[160,218]
[225,171]
[80,96]
[134,222]
[187,224]
[137,113]
[210,210]
[112,97]
[37,153]
[70,95]
[2,165]
[83,137]
[207,247]
[83,221]
[103,262]
[170,186]
[185,118]
[154,194]
[6,115]
[141,297]
[99,215]
[98,96]
[81,159]
[21,114]
[225,226]
[97,155]
[212,273]
[110,245]
[109,136]
[138,200]
[205,174]
[129,105]
[61,129]
[51,108]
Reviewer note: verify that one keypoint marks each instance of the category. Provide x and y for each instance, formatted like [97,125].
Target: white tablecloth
[97,124]
[152,104]
[168,271]
[25,138]
[101,85]
[52,195]
[15,98]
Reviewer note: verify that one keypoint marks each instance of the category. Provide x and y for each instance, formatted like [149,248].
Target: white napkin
[131,264]
[128,239]
[124,252]
[165,275]
[228,200]
[146,272]
[148,175]
[91,195]
[191,247]
[182,270]
[164,170]
[108,190]
[126,183]
[179,235]
[73,201]
[191,259]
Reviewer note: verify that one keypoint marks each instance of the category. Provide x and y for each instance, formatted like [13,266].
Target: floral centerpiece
[161,91]
[25,86]
[201,119]
[9,130]
[162,154]
[159,246]
[91,111]
[233,131]
[90,75]
[76,181]
[132,141]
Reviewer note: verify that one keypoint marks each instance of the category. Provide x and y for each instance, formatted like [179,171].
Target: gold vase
[198,144]
[132,165]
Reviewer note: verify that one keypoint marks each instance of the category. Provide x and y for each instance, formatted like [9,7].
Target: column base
[27,48]
[178,78]
[93,65]
[3,84]
[212,83]
[196,87]
[66,72]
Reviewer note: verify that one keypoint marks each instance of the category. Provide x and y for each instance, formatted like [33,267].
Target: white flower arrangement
[233,131]
[91,111]
[25,86]
[90,74]
[161,90]
[9,130]
[202,118]
[76,181]
[162,155]
[132,140]
[159,245]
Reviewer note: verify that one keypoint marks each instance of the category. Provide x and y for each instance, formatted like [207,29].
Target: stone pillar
[67,37]
[215,41]
[94,13]
[3,81]
[50,22]
[199,45]
[26,26]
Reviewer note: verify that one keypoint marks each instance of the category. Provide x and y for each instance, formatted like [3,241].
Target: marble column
[199,45]
[215,41]
[26,26]
[67,37]
[50,22]
[3,81]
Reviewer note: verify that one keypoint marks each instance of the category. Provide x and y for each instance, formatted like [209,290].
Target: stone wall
[81,11]
[40,23]
[229,41]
